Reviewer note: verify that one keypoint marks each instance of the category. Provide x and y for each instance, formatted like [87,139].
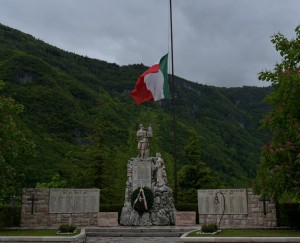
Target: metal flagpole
[173,101]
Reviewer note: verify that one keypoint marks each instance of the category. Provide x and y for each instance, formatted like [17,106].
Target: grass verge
[250,233]
[34,233]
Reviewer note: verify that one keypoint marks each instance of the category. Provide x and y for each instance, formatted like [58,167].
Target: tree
[279,171]
[7,180]
[192,150]
[56,182]
[15,148]
[194,176]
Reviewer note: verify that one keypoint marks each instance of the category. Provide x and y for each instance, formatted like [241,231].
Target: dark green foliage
[65,228]
[193,177]
[111,207]
[79,121]
[7,179]
[10,216]
[279,172]
[56,182]
[186,207]
[14,146]
[194,174]
[210,228]
[288,215]
[142,200]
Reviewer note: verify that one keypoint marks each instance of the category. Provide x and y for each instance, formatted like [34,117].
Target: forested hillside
[81,122]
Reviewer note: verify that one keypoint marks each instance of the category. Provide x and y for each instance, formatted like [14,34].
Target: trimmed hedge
[10,216]
[288,214]
[187,207]
[111,207]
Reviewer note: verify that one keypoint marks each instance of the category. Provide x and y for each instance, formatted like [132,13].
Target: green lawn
[250,233]
[34,233]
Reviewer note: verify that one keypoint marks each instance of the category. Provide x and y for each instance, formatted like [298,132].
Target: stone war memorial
[148,201]
[148,198]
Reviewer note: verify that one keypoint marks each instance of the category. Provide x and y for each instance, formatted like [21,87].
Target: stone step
[134,234]
[138,231]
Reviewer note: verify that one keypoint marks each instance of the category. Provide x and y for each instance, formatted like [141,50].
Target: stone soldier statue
[143,135]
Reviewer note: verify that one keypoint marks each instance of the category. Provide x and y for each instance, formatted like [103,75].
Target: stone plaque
[185,218]
[74,200]
[107,219]
[141,174]
[212,201]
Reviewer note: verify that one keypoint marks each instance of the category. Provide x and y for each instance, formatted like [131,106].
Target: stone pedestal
[149,172]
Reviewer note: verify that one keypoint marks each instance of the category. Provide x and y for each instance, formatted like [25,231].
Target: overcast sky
[223,43]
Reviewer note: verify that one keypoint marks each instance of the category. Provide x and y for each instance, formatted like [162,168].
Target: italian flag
[152,85]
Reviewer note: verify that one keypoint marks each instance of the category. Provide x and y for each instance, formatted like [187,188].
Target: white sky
[223,43]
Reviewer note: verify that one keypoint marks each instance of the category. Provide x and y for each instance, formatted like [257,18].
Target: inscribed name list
[141,174]
[74,200]
[213,202]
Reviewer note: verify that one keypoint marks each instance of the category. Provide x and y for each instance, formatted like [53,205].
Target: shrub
[65,228]
[210,228]
[72,228]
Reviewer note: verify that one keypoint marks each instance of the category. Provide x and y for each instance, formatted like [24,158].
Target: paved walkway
[132,239]
[139,239]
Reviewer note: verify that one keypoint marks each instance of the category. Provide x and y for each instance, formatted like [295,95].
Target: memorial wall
[231,201]
[74,200]
[243,209]
[54,207]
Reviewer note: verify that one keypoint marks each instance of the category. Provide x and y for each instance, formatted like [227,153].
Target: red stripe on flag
[140,92]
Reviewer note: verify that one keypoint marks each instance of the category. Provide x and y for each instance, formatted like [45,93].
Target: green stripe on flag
[163,66]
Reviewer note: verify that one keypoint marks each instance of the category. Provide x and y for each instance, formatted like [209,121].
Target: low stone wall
[38,215]
[185,218]
[107,219]
[254,218]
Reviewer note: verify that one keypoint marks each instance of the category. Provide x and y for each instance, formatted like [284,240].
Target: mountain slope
[79,114]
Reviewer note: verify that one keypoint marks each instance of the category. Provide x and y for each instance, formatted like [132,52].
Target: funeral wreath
[142,199]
